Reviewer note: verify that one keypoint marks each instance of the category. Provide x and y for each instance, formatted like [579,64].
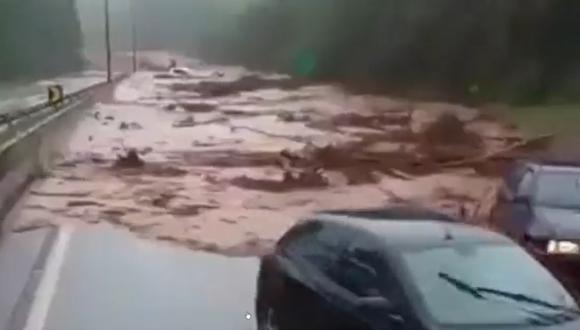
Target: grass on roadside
[561,119]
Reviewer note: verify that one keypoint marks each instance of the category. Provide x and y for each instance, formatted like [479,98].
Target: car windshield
[559,190]
[468,278]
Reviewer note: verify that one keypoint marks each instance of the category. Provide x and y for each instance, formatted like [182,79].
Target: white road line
[44,295]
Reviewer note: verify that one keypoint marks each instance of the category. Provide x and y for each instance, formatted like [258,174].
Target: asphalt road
[18,255]
[97,279]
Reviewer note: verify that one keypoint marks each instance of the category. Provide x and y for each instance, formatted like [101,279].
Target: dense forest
[38,38]
[515,50]
[510,50]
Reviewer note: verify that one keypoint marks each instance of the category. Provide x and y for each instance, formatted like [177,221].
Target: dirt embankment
[227,160]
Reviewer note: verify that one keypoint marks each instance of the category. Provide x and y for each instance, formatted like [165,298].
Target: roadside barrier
[31,139]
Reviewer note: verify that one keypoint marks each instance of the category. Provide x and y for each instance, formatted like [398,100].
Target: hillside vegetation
[38,38]
[511,50]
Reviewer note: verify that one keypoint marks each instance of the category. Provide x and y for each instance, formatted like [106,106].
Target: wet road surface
[102,278]
[18,255]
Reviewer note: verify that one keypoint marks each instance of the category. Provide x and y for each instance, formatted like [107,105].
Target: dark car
[540,208]
[402,269]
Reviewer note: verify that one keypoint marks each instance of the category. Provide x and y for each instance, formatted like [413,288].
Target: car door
[518,215]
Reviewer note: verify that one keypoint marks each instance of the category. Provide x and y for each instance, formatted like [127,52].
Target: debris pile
[188,121]
[130,160]
[446,139]
[372,121]
[293,117]
[130,126]
[246,83]
[198,107]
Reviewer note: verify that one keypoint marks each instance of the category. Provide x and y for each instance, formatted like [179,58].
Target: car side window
[318,244]
[358,275]
[298,233]
[361,269]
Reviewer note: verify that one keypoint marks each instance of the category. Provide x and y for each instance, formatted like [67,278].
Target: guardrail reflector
[55,95]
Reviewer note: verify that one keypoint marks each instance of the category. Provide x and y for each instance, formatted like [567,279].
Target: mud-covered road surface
[227,160]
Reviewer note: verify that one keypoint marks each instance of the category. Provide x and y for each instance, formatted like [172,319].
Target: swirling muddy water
[230,159]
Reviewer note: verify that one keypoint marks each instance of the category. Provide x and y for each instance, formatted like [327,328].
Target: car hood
[574,325]
[556,223]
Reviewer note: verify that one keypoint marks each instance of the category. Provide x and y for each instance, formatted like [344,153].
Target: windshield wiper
[478,292]
[462,286]
[525,298]
[550,319]
[544,319]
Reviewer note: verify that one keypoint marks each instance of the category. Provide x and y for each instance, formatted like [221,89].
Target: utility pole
[134,34]
[108,41]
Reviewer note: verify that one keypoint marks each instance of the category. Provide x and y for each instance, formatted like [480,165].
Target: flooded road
[226,160]
[167,192]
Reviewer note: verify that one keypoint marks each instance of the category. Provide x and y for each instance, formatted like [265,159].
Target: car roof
[394,213]
[552,165]
[561,169]
[405,233]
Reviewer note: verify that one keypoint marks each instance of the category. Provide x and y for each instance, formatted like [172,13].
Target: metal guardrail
[12,116]
[29,138]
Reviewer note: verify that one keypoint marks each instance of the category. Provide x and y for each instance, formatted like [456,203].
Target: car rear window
[559,190]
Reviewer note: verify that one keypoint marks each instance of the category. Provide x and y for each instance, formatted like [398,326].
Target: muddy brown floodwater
[227,160]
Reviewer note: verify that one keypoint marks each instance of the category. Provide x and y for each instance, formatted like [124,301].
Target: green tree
[38,38]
